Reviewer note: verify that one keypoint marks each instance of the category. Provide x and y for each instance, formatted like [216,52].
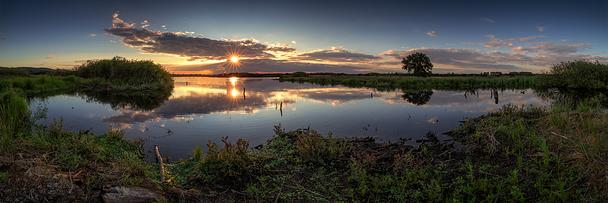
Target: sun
[234,59]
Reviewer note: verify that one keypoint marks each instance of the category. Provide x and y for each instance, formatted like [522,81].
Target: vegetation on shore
[121,74]
[46,163]
[566,75]
[387,82]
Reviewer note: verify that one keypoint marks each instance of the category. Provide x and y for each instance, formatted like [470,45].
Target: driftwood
[161,165]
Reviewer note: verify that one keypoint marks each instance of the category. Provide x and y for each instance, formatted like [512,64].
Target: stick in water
[159,158]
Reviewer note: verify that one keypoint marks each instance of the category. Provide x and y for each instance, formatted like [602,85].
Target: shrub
[580,74]
[120,71]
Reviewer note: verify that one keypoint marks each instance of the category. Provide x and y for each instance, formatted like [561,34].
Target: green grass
[387,82]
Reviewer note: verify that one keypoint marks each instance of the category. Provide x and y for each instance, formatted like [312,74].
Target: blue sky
[340,36]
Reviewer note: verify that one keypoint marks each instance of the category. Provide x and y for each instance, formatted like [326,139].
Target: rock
[130,195]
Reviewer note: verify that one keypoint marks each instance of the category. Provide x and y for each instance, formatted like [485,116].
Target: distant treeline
[23,71]
[303,74]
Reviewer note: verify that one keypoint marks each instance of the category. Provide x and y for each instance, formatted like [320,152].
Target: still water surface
[202,109]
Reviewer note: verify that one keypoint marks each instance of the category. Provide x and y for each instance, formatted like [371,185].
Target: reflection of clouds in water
[195,96]
[180,108]
[332,95]
[213,95]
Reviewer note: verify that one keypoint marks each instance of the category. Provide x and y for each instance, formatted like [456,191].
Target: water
[202,109]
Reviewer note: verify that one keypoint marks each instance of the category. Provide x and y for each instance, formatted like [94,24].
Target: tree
[418,63]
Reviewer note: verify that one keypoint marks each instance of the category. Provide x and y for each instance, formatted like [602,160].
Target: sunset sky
[311,36]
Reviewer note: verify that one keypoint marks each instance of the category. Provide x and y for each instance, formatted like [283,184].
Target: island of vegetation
[555,153]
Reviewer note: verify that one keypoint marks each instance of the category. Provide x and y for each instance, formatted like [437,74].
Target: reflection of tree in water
[134,100]
[471,92]
[417,97]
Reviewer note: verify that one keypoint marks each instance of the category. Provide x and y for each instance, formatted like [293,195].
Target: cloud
[527,53]
[186,45]
[335,54]
[540,28]
[562,48]
[92,35]
[461,60]
[498,43]
[487,20]
[268,65]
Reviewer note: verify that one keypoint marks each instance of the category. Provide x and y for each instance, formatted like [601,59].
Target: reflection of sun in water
[234,92]
[234,59]
[233,81]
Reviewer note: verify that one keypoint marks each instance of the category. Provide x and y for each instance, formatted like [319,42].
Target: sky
[310,36]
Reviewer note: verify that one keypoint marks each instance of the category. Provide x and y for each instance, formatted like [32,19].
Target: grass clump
[120,73]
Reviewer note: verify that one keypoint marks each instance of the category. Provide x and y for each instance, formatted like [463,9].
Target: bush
[580,74]
[120,71]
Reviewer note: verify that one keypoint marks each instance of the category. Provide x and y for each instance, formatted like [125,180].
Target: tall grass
[14,119]
[120,73]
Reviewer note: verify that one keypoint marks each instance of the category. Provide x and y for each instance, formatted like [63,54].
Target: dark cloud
[184,44]
[335,55]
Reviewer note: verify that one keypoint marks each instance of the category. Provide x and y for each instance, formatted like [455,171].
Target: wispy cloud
[495,42]
[540,28]
[487,20]
[431,33]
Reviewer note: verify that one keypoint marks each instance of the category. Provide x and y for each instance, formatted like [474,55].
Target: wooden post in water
[159,159]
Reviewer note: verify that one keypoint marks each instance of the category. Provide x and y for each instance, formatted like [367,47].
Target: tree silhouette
[418,63]
[417,97]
